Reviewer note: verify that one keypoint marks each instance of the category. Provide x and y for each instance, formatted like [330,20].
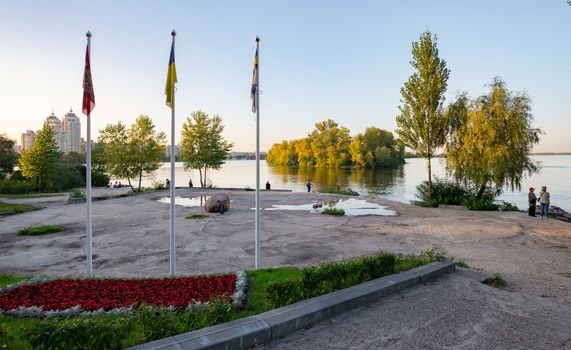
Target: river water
[396,184]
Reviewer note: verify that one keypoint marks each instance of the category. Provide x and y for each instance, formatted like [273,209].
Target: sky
[318,59]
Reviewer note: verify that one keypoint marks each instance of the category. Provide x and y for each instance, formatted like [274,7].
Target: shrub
[198,316]
[39,230]
[485,203]
[280,293]
[436,253]
[78,333]
[157,322]
[507,206]
[334,211]
[497,281]
[443,192]
[75,193]
[13,186]
[64,177]
[98,177]
[329,277]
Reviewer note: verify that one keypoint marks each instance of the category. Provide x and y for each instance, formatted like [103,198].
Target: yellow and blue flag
[171,79]
[254,90]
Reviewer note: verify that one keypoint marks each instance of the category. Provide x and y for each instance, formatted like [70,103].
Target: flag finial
[257,39]
[173,33]
[88,34]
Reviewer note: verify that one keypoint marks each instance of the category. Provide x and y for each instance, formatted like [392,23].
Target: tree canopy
[130,153]
[202,145]
[331,146]
[8,157]
[39,162]
[491,139]
[421,126]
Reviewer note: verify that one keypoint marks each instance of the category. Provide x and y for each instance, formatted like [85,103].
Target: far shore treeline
[331,146]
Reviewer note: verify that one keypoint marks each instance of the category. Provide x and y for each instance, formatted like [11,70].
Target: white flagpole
[172,186]
[88,240]
[258,158]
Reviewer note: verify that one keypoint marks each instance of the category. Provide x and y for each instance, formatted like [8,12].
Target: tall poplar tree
[421,125]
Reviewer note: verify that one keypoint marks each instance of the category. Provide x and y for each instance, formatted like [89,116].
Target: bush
[334,211]
[485,203]
[199,316]
[329,277]
[443,192]
[78,333]
[98,177]
[158,322]
[76,194]
[63,178]
[16,186]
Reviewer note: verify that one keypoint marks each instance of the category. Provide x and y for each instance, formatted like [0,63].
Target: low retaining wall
[278,323]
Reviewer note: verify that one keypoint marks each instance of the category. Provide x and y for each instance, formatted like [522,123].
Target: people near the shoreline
[532,200]
[309,185]
[168,183]
[544,199]
[190,183]
[268,186]
[119,185]
[115,185]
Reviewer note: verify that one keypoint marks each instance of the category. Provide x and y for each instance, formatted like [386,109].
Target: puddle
[351,206]
[185,201]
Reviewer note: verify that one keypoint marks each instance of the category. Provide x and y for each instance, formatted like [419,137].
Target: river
[396,184]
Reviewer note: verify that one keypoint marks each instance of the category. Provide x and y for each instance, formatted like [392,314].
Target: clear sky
[344,60]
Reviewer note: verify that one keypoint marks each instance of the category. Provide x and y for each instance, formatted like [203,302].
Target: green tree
[375,148]
[491,139]
[202,144]
[8,158]
[330,144]
[39,162]
[130,153]
[421,126]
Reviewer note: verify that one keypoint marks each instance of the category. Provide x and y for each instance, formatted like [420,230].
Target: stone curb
[278,323]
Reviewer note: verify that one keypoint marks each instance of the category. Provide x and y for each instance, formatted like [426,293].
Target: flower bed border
[238,298]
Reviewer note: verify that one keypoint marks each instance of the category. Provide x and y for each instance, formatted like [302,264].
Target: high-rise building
[27,139]
[71,132]
[55,124]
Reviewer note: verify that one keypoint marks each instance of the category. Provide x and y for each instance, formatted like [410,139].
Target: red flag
[88,94]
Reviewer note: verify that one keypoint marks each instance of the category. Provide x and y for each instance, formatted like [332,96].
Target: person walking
[532,200]
[544,199]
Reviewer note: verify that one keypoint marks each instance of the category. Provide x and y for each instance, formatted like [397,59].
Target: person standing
[190,183]
[544,202]
[308,184]
[532,199]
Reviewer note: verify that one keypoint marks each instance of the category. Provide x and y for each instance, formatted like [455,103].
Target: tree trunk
[130,185]
[205,182]
[140,177]
[481,190]
[429,178]
[200,173]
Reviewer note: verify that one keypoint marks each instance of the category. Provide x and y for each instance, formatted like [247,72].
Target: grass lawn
[39,230]
[13,208]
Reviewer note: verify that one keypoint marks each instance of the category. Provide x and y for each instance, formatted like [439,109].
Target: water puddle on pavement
[351,206]
[185,201]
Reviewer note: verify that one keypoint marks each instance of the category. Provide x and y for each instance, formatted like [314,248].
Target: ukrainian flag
[254,89]
[171,79]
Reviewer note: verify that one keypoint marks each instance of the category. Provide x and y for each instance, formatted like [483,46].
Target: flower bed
[72,296]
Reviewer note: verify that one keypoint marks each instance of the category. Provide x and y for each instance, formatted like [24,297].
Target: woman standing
[532,199]
[544,202]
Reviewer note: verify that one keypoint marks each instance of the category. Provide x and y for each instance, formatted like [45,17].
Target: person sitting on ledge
[268,186]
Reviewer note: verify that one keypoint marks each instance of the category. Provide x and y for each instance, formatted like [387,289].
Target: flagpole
[258,159]
[172,185]
[88,240]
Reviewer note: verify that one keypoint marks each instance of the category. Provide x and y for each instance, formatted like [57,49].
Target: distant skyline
[318,60]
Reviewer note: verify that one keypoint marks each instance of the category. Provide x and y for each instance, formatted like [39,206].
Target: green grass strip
[39,230]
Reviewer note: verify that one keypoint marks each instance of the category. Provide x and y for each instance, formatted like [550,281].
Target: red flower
[94,294]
